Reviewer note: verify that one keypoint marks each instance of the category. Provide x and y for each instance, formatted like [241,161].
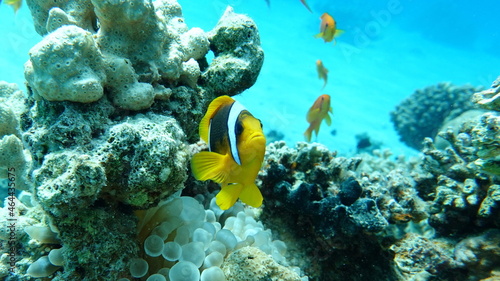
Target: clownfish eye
[238,128]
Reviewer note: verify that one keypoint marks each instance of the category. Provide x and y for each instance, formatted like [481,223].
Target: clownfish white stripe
[234,112]
[209,138]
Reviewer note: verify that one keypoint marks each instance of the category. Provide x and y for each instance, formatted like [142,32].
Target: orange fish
[15,4]
[316,114]
[328,28]
[322,72]
[305,4]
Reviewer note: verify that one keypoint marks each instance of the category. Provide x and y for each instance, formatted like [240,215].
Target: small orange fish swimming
[305,4]
[236,151]
[319,110]
[16,4]
[322,72]
[328,28]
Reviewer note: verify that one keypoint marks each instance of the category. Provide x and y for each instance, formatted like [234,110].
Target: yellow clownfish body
[237,146]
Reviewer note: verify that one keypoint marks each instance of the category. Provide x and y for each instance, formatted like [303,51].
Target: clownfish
[319,110]
[322,72]
[328,28]
[236,145]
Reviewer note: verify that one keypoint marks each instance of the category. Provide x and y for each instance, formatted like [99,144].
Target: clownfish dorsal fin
[212,109]
[210,166]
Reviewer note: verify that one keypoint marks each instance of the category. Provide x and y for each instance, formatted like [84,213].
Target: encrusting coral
[461,186]
[66,65]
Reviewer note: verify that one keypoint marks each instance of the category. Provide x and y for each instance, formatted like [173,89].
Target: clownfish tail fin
[251,195]
[228,195]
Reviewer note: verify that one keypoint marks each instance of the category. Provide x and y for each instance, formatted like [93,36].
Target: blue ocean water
[389,49]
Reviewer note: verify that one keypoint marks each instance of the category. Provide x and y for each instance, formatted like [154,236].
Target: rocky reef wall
[116,90]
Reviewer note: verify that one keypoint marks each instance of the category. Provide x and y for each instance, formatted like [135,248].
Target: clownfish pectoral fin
[212,109]
[328,119]
[228,195]
[319,35]
[210,166]
[251,195]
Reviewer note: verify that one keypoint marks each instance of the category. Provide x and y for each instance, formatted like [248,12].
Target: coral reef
[463,184]
[419,258]
[66,65]
[115,93]
[366,144]
[489,99]
[30,235]
[337,208]
[480,255]
[102,141]
[486,135]
[430,110]
[462,197]
[236,46]
[133,61]
[13,156]
[406,218]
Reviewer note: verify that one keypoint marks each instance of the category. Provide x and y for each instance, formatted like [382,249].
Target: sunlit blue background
[389,49]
